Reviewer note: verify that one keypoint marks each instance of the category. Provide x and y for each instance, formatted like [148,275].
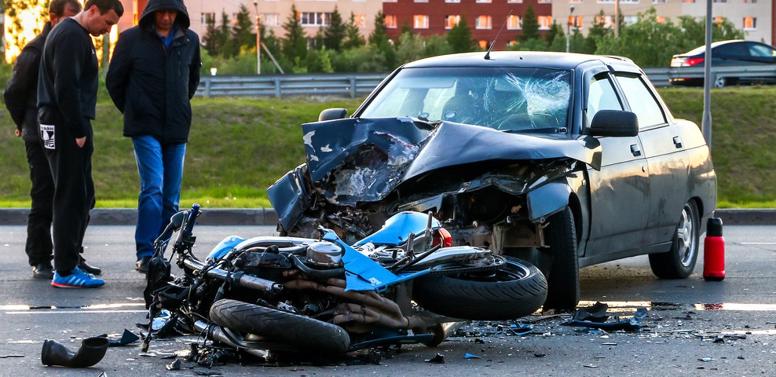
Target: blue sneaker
[77,279]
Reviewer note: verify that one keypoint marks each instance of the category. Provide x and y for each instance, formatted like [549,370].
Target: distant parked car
[726,54]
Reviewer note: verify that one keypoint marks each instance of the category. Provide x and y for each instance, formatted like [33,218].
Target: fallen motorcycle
[397,285]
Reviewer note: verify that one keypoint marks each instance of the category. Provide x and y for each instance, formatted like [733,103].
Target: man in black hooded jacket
[152,77]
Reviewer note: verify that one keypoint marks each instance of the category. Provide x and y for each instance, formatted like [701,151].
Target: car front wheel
[679,262]
[563,280]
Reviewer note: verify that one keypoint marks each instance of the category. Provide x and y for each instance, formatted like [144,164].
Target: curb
[267,216]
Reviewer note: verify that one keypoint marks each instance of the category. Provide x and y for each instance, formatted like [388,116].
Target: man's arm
[22,82]
[70,51]
[194,68]
[118,72]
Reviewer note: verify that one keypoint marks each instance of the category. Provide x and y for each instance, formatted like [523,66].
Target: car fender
[547,200]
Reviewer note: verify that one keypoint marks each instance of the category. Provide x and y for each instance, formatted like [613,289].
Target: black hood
[182,20]
[363,160]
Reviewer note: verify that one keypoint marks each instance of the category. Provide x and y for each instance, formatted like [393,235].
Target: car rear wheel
[679,262]
[563,280]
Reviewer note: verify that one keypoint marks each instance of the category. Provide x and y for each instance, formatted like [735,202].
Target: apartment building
[484,17]
[314,14]
[754,17]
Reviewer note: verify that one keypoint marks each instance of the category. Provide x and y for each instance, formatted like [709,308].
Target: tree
[211,38]
[242,31]
[295,43]
[353,36]
[530,25]
[460,37]
[224,41]
[556,31]
[334,34]
[379,36]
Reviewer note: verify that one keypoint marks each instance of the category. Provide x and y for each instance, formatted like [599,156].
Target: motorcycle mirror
[177,220]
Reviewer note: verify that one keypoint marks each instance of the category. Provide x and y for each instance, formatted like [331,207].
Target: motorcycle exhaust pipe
[245,281]
[217,333]
[91,352]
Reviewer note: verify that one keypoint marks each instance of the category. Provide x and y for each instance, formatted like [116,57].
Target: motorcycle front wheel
[295,330]
[514,290]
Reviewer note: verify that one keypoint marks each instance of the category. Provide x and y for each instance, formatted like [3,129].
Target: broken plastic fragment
[126,338]
[437,359]
[175,365]
[470,356]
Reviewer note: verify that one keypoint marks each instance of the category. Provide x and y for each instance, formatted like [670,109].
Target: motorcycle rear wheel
[295,330]
[515,290]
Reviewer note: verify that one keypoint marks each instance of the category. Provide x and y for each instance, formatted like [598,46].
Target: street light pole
[616,18]
[568,28]
[258,38]
[706,125]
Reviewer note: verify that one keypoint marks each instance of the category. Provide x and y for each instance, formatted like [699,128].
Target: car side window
[760,51]
[733,50]
[601,96]
[641,101]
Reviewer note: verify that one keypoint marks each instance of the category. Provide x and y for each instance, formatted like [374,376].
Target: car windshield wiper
[550,130]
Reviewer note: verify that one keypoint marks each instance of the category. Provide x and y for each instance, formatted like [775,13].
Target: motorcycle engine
[324,254]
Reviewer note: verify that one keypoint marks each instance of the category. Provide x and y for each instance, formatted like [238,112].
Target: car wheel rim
[720,82]
[685,236]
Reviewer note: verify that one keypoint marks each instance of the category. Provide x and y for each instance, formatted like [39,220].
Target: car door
[667,160]
[619,190]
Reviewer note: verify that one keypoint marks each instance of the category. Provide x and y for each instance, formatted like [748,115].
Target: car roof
[529,59]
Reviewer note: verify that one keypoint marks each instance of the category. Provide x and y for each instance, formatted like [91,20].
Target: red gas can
[714,251]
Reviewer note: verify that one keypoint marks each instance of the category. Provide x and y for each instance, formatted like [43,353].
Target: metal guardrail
[343,85]
[353,85]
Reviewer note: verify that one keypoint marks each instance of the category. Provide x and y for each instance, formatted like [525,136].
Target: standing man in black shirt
[67,97]
[21,97]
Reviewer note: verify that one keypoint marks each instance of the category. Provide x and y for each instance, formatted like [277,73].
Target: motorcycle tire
[517,289]
[295,330]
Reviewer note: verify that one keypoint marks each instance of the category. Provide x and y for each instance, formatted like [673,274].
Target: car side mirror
[614,123]
[332,114]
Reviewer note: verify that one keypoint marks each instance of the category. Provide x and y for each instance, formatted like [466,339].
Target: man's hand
[81,141]
[17,132]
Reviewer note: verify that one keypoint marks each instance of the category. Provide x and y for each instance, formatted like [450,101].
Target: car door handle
[677,141]
[635,150]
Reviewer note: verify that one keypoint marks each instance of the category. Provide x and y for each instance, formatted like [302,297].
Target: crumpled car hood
[362,160]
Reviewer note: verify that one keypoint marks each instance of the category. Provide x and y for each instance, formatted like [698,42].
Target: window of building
[515,1]
[452,1]
[641,101]
[575,22]
[391,22]
[630,20]
[483,44]
[660,19]
[544,1]
[658,1]
[315,18]
[688,1]
[621,1]
[483,1]
[360,20]
[719,20]
[206,17]
[514,23]
[483,23]
[720,1]
[420,21]
[270,19]
[601,96]
[451,21]
[605,21]
[421,1]
[750,23]
[575,1]
[750,1]
[545,22]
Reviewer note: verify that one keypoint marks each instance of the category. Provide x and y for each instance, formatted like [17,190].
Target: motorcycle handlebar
[245,281]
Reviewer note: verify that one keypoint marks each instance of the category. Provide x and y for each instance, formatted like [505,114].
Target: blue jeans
[161,171]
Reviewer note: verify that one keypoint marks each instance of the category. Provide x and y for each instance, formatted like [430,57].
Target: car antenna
[487,54]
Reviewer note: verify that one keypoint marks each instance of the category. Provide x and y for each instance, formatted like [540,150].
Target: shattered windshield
[508,99]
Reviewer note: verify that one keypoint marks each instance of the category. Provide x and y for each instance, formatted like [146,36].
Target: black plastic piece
[714,227]
[91,352]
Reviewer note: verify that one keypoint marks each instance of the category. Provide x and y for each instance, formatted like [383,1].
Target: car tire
[679,262]
[563,280]
[720,82]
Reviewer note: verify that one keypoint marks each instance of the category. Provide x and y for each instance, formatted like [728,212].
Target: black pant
[71,168]
[39,245]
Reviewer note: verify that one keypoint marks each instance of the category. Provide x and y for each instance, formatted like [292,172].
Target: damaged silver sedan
[563,160]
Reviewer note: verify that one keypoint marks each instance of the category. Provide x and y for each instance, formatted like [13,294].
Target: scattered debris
[10,356]
[438,359]
[92,350]
[590,366]
[719,339]
[740,358]
[128,337]
[540,355]
[175,365]
[609,344]
[470,356]
[706,359]
[596,317]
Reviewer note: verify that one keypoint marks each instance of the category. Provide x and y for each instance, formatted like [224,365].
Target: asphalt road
[679,339]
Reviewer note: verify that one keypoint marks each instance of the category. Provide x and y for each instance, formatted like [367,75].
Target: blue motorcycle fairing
[364,274]
[223,247]
[398,228]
